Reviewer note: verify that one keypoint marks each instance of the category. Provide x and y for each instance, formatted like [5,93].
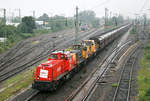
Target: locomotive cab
[89,47]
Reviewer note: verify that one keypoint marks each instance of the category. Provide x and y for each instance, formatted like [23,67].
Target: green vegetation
[27,25]
[88,17]
[133,30]
[114,85]
[12,35]
[15,84]
[144,76]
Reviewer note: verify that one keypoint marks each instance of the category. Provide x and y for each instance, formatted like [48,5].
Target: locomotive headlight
[38,77]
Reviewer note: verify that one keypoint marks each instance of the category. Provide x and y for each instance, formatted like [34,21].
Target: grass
[17,83]
[144,76]
[114,85]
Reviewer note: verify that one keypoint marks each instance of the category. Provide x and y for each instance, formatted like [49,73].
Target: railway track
[122,92]
[10,55]
[85,90]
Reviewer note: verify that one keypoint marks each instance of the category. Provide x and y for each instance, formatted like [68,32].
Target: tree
[7,30]
[27,25]
[44,17]
[88,17]
[58,23]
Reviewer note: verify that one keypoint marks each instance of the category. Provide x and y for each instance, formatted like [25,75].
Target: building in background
[3,39]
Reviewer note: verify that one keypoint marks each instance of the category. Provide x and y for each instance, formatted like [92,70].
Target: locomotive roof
[61,52]
[110,33]
[50,63]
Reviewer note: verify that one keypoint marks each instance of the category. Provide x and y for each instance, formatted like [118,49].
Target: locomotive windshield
[53,56]
[87,43]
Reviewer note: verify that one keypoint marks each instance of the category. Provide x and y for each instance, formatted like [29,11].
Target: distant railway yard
[103,66]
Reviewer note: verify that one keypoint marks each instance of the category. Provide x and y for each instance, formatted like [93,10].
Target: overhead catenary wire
[145,3]
[101,4]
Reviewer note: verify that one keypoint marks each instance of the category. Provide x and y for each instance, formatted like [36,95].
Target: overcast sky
[67,7]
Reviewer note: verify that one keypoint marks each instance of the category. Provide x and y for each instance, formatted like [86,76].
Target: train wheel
[33,86]
[77,69]
[95,54]
[55,85]
[68,76]
[85,62]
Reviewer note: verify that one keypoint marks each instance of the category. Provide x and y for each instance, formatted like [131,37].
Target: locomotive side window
[53,56]
[66,58]
[69,57]
[62,57]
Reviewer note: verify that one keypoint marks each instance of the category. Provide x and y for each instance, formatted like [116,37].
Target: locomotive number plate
[43,73]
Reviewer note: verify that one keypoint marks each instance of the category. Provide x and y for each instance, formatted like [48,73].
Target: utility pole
[136,18]
[76,26]
[4,20]
[116,22]
[12,18]
[20,14]
[110,19]
[34,14]
[66,24]
[145,20]
[106,16]
[110,15]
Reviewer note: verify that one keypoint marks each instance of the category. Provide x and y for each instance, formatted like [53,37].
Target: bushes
[147,53]
[11,33]
[6,31]
[147,48]
[146,97]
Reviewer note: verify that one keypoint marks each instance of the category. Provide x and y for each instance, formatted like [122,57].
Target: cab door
[63,64]
[66,63]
